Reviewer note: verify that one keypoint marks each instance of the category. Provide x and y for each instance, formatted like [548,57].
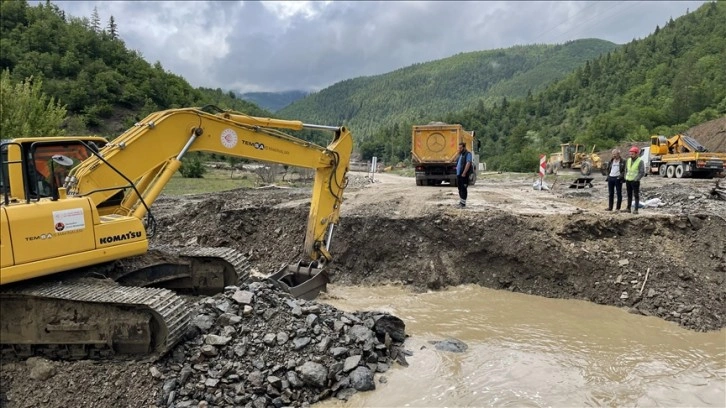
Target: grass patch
[216,180]
[213,181]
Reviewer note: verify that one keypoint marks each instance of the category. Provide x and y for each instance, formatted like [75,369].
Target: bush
[268,173]
[192,168]
[26,111]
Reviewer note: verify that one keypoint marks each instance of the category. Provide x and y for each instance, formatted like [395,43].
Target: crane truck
[682,156]
[434,152]
[56,238]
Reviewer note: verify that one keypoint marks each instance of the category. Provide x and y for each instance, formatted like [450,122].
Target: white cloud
[276,46]
[290,9]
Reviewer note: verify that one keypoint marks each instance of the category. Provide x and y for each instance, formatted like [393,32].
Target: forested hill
[663,84]
[429,90]
[273,101]
[84,65]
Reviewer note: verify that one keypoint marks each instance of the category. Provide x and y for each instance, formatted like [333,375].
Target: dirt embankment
[668,262]
[712,134]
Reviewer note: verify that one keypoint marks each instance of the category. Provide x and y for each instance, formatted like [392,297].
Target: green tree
[26,111]
[192,167]
[112,28]
[95,20]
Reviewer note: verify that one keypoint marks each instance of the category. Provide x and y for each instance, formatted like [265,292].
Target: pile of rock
[359,180]
[256,346]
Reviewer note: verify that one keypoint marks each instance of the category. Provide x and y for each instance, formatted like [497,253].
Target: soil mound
[712,134]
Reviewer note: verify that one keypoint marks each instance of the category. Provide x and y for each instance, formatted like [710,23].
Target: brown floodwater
[530,351]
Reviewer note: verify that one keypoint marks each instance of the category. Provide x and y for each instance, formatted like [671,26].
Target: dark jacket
[464,157]
[622,169]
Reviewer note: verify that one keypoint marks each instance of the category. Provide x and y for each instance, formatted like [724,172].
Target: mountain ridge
[441,86]
[273,101]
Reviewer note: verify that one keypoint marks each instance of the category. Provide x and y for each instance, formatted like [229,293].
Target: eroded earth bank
[560,245]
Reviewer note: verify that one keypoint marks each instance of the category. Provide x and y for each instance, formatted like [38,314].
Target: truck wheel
[680,169]
[662,170]
[419,182]
[670,171]
[585,169]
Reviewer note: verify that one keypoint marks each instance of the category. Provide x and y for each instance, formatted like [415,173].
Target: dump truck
[434,151]
[682,156]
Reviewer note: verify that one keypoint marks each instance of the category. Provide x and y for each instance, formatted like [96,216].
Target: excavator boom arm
[149,153]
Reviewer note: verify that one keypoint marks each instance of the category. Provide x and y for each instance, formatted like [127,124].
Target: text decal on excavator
[120,237]
[258,146]
[230,139]
[37,237]
[69,220]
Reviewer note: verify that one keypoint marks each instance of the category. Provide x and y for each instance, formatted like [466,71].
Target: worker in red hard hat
[634,171]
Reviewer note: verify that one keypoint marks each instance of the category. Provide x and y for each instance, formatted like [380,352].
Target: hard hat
[634,150]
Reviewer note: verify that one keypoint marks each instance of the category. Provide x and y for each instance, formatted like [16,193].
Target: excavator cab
[38,168]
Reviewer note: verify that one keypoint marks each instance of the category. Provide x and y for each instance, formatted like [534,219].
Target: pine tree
[112,28]
[95,20]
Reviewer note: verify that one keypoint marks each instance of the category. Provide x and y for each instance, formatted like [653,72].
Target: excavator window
[46,174]
[4,174]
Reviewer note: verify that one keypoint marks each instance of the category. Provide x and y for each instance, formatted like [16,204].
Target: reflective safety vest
[632,168]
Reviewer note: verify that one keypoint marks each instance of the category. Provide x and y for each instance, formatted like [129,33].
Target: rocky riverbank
[251,346]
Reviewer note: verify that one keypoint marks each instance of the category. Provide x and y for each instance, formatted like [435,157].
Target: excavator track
[133,311]
[200,270]
[90,318]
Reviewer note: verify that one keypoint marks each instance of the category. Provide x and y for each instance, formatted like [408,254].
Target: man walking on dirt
[634,171]
[463,168]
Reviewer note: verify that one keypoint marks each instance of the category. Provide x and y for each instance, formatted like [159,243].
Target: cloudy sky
[270,46]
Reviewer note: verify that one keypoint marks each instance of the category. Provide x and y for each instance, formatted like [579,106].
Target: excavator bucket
[301,281]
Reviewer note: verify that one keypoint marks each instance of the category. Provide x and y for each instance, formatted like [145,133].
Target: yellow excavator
[75,208]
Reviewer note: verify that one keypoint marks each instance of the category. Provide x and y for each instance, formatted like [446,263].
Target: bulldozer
[574,157]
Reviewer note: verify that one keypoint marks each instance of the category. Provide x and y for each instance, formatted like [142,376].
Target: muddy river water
[530,351]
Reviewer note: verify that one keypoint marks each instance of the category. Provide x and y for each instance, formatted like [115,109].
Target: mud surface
[668,261]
